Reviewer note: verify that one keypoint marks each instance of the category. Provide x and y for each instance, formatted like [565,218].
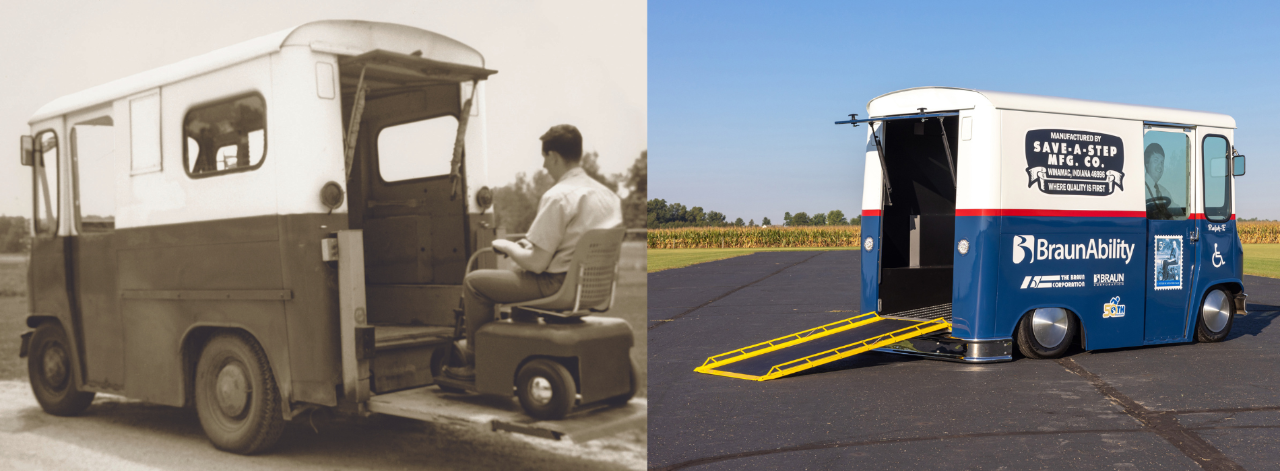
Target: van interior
[918,217]
[402,194]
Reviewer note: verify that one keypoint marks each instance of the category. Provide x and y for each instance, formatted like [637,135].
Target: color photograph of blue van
[1039,222]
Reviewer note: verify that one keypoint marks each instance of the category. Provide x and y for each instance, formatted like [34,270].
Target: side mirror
[28,150]
[1237,165]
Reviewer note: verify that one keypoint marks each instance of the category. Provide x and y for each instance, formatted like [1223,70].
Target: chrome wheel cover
[540,390]
[1049,325]
[1216,311]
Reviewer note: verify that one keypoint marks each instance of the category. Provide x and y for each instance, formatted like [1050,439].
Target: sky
[743,94]
[559,61]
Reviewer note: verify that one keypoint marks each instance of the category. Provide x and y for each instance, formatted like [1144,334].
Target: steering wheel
[1159,203]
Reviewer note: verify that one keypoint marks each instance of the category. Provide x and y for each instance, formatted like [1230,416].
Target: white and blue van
[1035,220]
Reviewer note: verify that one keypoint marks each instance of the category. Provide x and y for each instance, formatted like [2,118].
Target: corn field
[1251,232]
[1259,232]
[754,237]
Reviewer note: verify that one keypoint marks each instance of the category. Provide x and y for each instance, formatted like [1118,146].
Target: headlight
[963,246]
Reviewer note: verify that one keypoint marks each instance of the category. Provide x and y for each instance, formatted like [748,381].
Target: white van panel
[171,196]
[1019,192]
[307,133]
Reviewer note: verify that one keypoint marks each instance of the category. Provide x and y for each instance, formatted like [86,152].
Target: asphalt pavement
[1185,406]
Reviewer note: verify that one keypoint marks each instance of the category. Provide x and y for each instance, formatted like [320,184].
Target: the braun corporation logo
[1053,281]
[1108,279]
[1028,247]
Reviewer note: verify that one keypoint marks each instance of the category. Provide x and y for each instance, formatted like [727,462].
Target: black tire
[618,401]
[49,368]
[1221,299]
[1032,348]
[540,377]
[245,417]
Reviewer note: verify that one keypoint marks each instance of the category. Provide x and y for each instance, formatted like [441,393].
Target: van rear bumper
[945,347]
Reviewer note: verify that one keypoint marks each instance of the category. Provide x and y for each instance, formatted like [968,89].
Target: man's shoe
[461,373]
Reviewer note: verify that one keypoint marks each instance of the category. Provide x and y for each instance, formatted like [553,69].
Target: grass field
[665,259]
[13,315]
[1262,260]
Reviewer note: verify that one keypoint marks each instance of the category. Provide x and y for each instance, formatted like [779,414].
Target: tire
[49,368]
[618,401]
[546,389]
[1055,326]
[236,395]
[1216,315]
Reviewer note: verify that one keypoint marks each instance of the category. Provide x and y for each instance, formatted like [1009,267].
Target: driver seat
[589,284]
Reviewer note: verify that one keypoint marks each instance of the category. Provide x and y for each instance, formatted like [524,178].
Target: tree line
[516,204]
[663,215]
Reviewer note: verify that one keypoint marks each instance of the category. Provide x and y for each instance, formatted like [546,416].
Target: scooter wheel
[546,389]
[1215,319]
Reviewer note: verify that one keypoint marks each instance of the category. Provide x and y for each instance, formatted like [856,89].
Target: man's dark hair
[565,140]
[1152,149]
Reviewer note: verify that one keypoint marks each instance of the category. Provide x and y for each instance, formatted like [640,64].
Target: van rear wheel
[49,368]
[236,395]
[1046,333]
[1215,319]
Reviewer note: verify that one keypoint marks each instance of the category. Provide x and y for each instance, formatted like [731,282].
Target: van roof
[342,37]
[943,98]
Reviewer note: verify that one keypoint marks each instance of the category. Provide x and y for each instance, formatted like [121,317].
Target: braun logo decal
[1108,279]
[1217,228]
[1113,308]
[1028,247]
[1061,162]
[1053,281]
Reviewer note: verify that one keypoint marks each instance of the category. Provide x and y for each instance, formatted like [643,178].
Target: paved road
[1137,408]
[119,434]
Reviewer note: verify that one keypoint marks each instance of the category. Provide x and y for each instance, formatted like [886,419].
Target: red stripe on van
[871,212]
[1202,216]
[1051,213]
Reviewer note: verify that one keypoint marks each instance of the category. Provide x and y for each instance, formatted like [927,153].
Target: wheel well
[35,321]
[570,363]
[192,345]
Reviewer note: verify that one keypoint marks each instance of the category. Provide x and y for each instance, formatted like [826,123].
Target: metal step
[941,311]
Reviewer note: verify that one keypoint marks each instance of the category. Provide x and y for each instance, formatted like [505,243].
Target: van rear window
[227,136]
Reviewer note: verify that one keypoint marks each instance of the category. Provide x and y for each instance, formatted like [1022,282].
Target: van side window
[1165,177]
[1217,180]
[226,136]
[93,158]
[417,149]
[46,167]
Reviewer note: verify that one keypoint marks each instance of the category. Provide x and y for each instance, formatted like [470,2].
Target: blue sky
[742,95]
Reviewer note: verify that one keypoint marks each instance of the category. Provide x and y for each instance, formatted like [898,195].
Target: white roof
[343,37]
[948,98]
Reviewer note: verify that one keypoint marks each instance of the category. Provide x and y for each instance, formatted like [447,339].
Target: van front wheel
[1214,322]
[49,367]
[236,395]
[1046,333]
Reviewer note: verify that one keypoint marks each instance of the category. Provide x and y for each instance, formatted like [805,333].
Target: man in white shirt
[576,204]
[1158,197]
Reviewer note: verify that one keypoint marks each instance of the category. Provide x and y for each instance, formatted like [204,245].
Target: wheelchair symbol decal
[1217,257]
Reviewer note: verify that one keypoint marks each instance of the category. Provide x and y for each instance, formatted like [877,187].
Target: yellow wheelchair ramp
[817,346]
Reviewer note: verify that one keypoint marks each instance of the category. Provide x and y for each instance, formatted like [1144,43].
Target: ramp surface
[817,346]
[504,414]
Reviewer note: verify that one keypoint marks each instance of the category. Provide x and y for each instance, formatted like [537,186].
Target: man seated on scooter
[577,203]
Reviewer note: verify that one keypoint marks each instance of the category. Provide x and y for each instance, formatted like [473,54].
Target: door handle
[1195,236]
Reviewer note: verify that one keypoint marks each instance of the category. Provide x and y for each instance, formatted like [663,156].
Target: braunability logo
[1030,248]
